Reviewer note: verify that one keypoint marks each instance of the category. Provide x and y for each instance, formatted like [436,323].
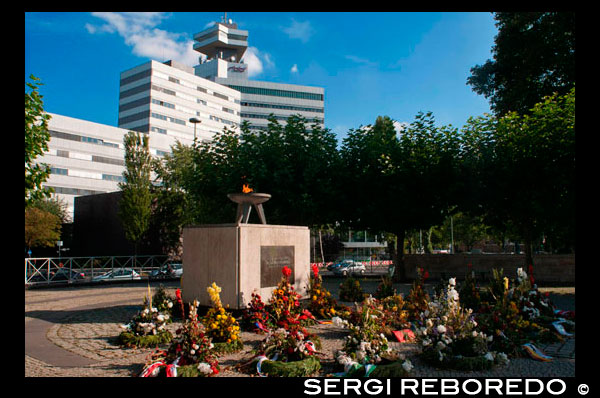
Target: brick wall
[548,268]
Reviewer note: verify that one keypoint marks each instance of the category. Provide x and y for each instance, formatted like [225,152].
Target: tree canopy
[533,57]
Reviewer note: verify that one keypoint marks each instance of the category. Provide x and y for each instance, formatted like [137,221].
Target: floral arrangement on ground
[449,337]
[191,353]
[147,328]
[221,326]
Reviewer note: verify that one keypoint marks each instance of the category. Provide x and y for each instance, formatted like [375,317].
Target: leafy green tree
[525,178]
[533,57]
[55,206]
[136,200]
[42,228]
[36,142]
[173,206]
[400,182]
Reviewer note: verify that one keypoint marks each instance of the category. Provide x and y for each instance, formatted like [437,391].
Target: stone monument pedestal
[241,259]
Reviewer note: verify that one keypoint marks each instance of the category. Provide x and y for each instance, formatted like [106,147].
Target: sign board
[272,261]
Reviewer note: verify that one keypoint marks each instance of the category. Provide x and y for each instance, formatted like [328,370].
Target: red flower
[286,271]
[315,270]
[178,293]
[426,275]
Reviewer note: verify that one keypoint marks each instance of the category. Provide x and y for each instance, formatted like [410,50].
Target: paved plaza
[71,332]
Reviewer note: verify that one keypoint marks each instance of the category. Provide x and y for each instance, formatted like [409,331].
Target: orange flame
[245,189]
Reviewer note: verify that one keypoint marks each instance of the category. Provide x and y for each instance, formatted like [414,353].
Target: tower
[224,46]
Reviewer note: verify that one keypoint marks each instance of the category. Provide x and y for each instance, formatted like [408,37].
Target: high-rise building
[172,102]
[224,46]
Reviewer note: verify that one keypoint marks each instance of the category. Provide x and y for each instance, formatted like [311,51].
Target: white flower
[407,366]
[203,367]
[474,333]
[490,338]
[192,352]
[441,329]
[169,304]
[441,345]
[426,342]
[339,322]
[160,318]
[452,281]
[489,356]
[429,323]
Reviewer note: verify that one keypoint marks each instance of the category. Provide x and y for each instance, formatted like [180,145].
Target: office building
[224,46]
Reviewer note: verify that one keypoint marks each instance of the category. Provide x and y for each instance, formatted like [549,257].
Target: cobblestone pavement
[83,322]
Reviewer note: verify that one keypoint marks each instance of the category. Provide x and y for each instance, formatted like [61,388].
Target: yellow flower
[314,298]
[505,283]
[332,311]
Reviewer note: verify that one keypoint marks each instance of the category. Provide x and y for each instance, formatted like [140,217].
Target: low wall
[548,268]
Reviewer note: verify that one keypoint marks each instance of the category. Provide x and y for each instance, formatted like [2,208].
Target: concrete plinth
[241,259]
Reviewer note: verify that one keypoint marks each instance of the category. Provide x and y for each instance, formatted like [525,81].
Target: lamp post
[195,121]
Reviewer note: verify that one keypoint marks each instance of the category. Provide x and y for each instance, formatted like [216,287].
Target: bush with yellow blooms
[220,324]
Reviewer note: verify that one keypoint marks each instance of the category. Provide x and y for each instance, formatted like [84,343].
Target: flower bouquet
[284,305]
[366,350]
[288,352]
[163,302]
[322,303]
[255,317]
[385,288]
[220,325]
[190,354]
[417,299]
[146,329]
[350,290]
[449,336]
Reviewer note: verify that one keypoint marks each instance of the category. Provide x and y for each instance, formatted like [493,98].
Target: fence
[56,270]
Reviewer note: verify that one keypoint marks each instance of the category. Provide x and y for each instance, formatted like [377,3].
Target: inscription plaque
[272,261]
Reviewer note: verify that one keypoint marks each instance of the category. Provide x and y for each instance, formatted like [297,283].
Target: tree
[42,228]
[525,164]
[173,207]
[36,143]
[136,200]
[55,206]
[400,182]
[533,57]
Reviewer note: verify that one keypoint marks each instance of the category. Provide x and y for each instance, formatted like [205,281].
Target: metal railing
[54,270]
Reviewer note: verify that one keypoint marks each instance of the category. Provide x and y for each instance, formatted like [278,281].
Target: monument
[242,257]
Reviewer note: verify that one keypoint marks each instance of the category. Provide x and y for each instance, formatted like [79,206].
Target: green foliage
[55,206]
[385,288]
[36,143]
[42,228]
[136,200]
[497,152]
[350,290]
[533,56]
[303,368]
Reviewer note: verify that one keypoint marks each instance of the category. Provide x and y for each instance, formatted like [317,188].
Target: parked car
[167,271]
[338,264]
[350,269]
[119,274]
[64,274]
[58,275]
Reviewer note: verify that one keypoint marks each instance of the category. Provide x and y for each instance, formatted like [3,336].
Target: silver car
[350,269]
[118,274]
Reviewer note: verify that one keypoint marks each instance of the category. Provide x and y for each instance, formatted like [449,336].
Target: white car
[119,274]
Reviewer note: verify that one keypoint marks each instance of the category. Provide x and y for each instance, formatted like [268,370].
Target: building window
[277,93]
[59,171]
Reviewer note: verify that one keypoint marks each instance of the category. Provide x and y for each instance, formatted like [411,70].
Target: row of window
[286,107]
[277,93]
[80,138]
[76,173]
[93,158]
[169,118]
[74,191]
[277,117]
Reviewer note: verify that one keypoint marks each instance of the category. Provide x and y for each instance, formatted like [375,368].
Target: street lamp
[195,121]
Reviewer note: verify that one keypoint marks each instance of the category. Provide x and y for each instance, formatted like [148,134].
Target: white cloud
[299,30]
[257,61]
[139,32]
[294,69]
[359,60]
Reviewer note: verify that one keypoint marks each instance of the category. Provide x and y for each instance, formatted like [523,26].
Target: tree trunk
[398,258]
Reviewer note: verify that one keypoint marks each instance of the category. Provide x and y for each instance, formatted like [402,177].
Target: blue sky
[370,64]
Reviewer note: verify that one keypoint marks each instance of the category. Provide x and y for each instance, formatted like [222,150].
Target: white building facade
[172,102]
